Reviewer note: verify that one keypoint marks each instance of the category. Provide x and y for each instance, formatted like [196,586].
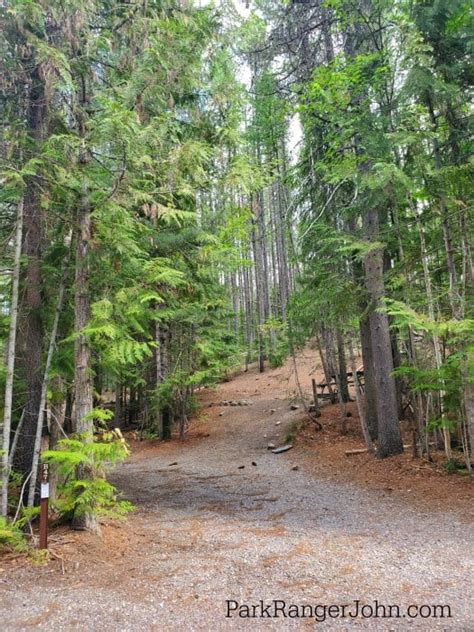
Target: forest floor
[220,517]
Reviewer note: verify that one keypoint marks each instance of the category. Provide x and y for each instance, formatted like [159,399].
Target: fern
[11,536]
[92,493]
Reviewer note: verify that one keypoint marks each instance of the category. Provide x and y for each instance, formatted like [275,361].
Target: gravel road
[206,531]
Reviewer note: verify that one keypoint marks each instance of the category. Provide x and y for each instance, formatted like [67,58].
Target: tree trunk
[327,374]
[396,364]
[248,315]
[118,404]
[468,396]
[7,413]
[342,367]
[389,437]
[162,370]
[328,342]
[56,431]
[259,286]
[316,407]
[361,401]
[167,420]
[32,341]
[281,241]
[435,337]
[44,390]
[84,425]
[369,378]
[68,423]
[445,220]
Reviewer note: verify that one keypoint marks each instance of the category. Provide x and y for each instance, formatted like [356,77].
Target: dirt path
[206,531]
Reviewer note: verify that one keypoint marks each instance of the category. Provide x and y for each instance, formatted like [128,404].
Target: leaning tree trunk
[7,413]
[361,401]
[44,389]
[389,436]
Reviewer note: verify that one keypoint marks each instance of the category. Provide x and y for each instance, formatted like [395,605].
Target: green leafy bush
[11,536]
[452,466]
[82,468]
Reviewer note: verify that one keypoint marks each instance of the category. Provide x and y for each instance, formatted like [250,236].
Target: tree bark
[32,340]
[369,378]
[389,436]
[361,401]
[84,424]
[342,366]
[259,285]
[468,397]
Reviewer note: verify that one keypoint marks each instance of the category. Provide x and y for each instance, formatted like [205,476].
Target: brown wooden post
[44,501]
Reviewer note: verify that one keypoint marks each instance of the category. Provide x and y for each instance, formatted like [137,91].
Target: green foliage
[279,351]
[453,466]
[100,417]
[82,467]
[457,366]
[452,330]
[11,536]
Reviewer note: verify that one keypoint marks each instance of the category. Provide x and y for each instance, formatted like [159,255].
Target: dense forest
[189,188]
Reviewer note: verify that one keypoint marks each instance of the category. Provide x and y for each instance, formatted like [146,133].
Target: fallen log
[358,451]
[364,450]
